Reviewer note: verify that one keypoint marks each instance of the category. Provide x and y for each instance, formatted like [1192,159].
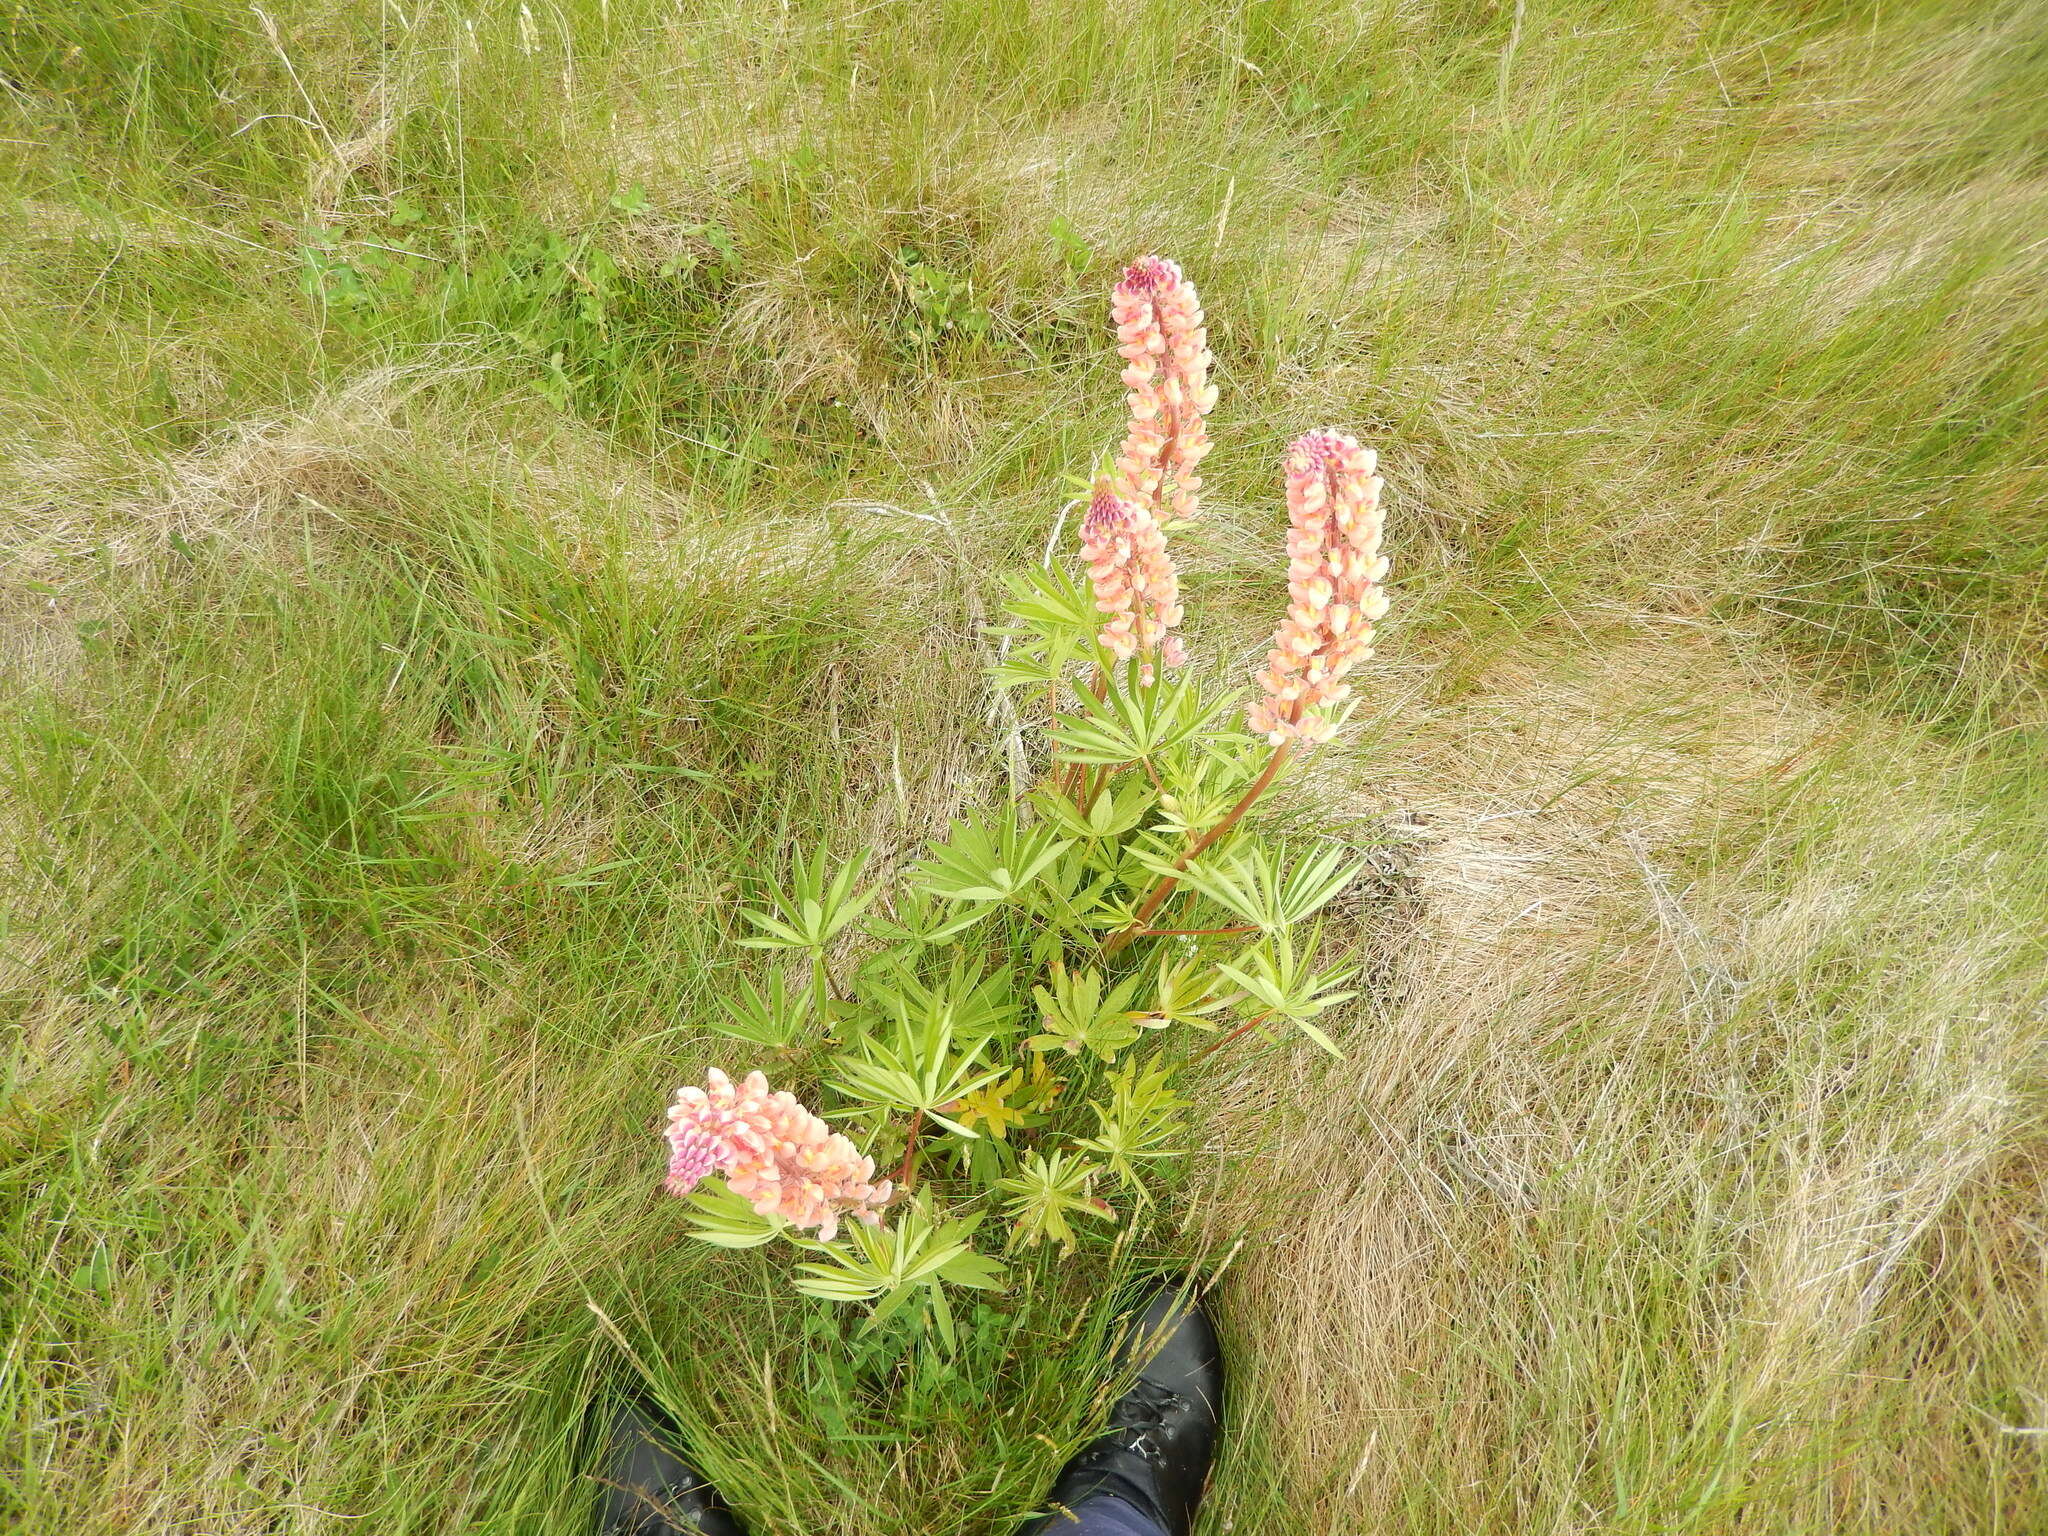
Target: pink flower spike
[1165,347]
[1335,576]
[774,1153]
[1136,585]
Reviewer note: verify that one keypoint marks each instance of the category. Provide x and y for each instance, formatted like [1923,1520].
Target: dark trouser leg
[1105,1517]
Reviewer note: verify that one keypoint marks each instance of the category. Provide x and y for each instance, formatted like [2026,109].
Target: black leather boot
[1155,1452]
[649,1489]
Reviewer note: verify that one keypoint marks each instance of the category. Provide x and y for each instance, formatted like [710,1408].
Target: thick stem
[909,1163]
[1167,883]
[1193,933]
[1259,786]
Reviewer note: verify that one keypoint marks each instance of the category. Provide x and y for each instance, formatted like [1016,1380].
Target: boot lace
[1139,1419]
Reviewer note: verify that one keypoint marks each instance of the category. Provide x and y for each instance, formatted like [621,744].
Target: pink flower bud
[1161,335]
[1334,571]
[1134,580]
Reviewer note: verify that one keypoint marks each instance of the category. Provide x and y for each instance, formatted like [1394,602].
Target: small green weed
[942,305]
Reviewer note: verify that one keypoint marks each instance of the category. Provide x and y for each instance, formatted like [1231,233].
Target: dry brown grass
[1655,1125]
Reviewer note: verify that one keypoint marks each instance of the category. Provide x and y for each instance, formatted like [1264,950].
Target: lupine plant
[1006,1022]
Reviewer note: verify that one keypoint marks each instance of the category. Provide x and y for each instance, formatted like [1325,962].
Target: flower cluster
[1134,580]
[1165,347]
[773,1152]
[1334,575]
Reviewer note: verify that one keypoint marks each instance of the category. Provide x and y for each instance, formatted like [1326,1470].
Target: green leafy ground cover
[484,484]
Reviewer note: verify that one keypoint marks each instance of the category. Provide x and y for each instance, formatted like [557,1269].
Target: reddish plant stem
[1193,933]
[1243,1028]
[1165,887]
[1074,785]
[1098,685]
[909,1163]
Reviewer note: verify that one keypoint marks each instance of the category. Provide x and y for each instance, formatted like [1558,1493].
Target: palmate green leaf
[975,1271]
[988,858]
[815,908]
[1131,721]
[976,1003]
[1257,884]
[1282,983]
[882,1085]
[774,1019]
[1187,992]
[918,917]
[1069,894]
[774,935]
[1078,1015]
[1053,622]
[887,1265]
[1044,1191]
[1114,908]
[1116,809]
[1142,1115]
[922,1071]
[1201,787]
[1049,601]
[1029,667]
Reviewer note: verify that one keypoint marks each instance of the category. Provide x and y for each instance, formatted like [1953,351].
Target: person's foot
[649,1490]
[1155,1452]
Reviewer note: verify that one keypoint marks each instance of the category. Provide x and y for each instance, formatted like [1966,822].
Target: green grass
[469,502]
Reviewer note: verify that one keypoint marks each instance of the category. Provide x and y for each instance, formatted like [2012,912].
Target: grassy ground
[480,481]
